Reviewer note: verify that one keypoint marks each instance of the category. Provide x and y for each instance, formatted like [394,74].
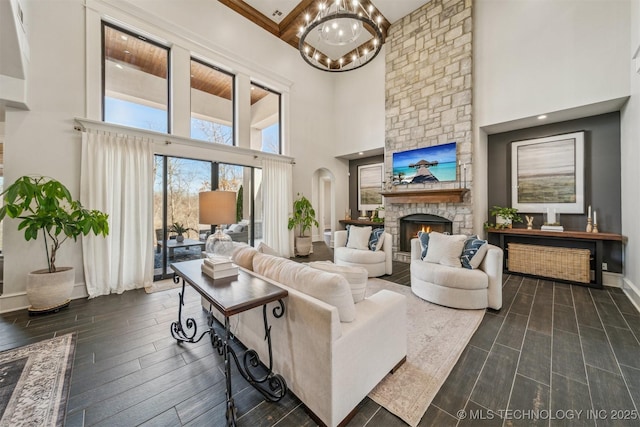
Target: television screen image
[423,165]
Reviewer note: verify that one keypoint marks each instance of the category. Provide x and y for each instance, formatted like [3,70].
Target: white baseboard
[19,301]
[632,291]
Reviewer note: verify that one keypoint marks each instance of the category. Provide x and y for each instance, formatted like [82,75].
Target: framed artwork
[436,163]
[548,173]
[370,186]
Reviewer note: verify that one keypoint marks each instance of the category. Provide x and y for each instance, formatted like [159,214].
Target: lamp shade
[217,207]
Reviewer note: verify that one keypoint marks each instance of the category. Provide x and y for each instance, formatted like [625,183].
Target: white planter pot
[303,245]
[380,214]
[50,291]
[506,222]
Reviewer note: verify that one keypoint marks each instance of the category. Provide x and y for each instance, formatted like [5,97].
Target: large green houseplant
[45,206]
[303,217]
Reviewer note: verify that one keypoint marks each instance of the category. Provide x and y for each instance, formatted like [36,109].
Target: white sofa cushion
[442,275]
[359,237]
[357,256]
[328,287]
[356,276]
[445,249]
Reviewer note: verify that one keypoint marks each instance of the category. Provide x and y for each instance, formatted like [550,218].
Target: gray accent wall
[602,174]
[353,182]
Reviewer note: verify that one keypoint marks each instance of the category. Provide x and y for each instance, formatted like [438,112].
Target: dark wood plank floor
[553,347]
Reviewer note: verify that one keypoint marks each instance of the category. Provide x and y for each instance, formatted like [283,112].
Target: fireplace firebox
[411,224]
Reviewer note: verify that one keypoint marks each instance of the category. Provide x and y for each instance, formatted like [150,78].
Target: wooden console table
[231,296]
[593,241]
[361,223]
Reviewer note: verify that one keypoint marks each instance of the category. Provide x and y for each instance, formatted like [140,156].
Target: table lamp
[216,208]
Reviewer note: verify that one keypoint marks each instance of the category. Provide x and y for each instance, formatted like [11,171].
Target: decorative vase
[50,291]
[180,238]
[381,213]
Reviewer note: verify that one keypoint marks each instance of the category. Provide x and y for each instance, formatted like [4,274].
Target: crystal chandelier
[343,36]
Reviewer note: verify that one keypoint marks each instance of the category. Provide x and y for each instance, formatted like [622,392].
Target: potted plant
[45,205]
[303,217]
[380,212]
[505,217]
[180,229]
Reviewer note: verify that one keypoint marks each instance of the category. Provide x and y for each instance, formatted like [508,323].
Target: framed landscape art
[370,186]
[548,173]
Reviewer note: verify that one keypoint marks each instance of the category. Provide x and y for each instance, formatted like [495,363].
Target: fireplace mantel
[452,195]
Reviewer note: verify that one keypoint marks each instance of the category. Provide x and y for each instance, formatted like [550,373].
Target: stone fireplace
[410,225]
[428,102]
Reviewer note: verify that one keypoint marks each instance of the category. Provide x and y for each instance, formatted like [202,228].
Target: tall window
[265,119]
[211,104]
[135,80]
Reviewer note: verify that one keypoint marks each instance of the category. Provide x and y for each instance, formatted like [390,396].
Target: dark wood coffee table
[231,296]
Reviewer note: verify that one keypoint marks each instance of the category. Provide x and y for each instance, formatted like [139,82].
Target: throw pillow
[359,237]
[424,242]
[473,252]
[236,228]
[356,276]
[328,287]
[266,249]
[445,249]
[376,239]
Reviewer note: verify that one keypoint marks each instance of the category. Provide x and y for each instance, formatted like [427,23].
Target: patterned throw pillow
[473,252]
[424,242]
[376,239]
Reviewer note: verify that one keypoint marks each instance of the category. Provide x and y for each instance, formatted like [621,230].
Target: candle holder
[589,226]
[595,228]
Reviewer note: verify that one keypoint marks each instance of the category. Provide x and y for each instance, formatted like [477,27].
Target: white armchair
[377,263]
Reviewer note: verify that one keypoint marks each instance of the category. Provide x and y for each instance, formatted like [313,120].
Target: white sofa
[458,287]
[377,263]
[328,364]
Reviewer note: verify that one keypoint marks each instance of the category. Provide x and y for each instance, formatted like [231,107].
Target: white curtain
[277,177]
[117,178]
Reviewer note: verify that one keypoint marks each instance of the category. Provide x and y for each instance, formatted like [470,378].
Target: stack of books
[219,268]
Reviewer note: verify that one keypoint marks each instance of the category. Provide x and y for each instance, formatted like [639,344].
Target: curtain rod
[83,125]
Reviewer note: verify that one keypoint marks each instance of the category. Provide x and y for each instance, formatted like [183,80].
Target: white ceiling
[391,9]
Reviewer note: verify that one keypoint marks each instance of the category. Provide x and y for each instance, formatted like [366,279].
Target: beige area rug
[436,336]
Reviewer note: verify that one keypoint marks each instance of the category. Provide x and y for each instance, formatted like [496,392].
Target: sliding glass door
[178,181]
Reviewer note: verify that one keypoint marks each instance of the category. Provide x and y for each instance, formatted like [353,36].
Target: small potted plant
[180,229]
[303,217]
[505,217]
[45,206]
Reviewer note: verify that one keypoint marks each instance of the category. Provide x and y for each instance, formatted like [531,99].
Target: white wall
[359,107]
[539,56]
[42,140]
[630,151]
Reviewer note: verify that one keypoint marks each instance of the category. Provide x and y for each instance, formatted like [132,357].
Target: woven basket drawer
[549,261]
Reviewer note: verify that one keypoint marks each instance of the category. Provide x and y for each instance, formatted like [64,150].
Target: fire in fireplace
[411,224]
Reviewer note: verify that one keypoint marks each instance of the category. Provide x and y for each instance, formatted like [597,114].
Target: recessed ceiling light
[119,66]
[123,37]
[127,52]
[360,153]
[542,116]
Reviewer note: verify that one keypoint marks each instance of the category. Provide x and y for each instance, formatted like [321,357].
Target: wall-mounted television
[425,165]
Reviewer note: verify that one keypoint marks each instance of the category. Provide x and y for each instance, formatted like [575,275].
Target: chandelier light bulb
[370,8]
[306,17]
[317,56]
[375,42]
[379,19]
[354,57]
[366,51]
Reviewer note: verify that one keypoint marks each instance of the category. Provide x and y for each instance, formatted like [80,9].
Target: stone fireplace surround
[458,213]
